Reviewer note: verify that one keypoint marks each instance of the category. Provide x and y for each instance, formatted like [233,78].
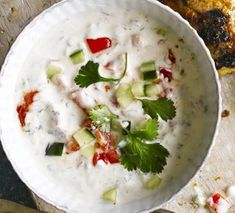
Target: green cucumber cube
[151,89]
[83,137]
[52,70]
[77,57]
[149,75]
[110,195]
[137,88]
[124,95]
[153,182]
[148,66]
[88,151]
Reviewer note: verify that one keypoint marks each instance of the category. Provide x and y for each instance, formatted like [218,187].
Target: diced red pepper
[216,202]
[106,146]
[167,73]
[216,197]
[28,98]
[105,140]
[23,109]
[95,159]
[100,156]
[99,44]
[171,56]
[112,156]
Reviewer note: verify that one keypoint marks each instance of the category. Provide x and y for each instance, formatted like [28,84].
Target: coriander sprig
[89,74]
[145,157]
[101,117]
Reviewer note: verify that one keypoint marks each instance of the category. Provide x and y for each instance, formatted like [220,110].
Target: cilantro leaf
[163,107]
[89,74]
[146,157]
[149,131]
[101,117]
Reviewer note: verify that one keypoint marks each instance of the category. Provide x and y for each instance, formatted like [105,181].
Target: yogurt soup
[108,102]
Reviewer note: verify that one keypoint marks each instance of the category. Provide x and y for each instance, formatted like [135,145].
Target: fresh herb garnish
[137,154]
[149,131]
[89,74]
[55,149]
[101,117]
[146,157]
[163,107]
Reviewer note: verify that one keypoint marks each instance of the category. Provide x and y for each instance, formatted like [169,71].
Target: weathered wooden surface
[219,169]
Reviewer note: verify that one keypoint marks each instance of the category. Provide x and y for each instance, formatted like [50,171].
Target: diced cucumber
[88,151]
[77,57]
[149,75]
[110,195]
[52,70]
[124,95]
[148,70]
[55,149]
[121,90]
[150,89]
[125,101]
[83,137]
[153,182]
[137,88]
[148,66]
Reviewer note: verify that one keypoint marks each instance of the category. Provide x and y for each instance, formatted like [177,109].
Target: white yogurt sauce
[55,117]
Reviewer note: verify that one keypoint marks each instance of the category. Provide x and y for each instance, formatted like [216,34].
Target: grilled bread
[214,21]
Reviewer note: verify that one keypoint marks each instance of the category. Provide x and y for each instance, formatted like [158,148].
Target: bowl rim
[171,12]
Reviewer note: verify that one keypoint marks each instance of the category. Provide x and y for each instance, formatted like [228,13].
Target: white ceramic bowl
[13,143]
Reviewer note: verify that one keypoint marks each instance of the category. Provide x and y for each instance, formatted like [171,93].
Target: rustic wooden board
[219,169]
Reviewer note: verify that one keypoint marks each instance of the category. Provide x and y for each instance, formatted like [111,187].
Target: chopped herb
[149,131]
[89,74]
[163,107]
[55,149]
[101,117]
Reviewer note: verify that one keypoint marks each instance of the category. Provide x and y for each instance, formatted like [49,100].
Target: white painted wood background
[219,169]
